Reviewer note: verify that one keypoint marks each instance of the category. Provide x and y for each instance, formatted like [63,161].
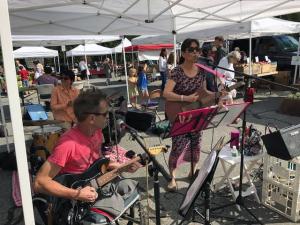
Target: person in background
[107,70]
[143,82]
[62,99]
[2,80]
[47,78]
[170,62]
[133,90]
[220,53]
[162,66]
[18,64]
[228,62]
[83,69]
[38,69]
[185,84]
[211,79]
[24,76]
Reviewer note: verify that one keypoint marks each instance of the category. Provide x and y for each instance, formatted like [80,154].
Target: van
[279,49]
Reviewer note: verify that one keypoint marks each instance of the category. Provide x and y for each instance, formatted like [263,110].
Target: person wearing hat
[62,99]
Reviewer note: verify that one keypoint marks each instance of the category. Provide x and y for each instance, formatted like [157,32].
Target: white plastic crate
[281,187]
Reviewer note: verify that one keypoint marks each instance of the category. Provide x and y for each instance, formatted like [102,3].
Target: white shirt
[229,76]
[162,64]
[82,65]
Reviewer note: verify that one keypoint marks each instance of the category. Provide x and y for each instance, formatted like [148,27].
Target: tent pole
[175,53]
[116,64]
[58,64]
[125,70]
[16,115]
[87,68]
[112,62]
[72,59]
[297,66]
[54,64]
[250,53]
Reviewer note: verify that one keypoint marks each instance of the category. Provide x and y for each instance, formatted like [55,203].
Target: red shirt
[24,74]
[75,152]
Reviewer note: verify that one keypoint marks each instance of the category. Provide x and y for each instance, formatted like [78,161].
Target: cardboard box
[244,68]
[266,68]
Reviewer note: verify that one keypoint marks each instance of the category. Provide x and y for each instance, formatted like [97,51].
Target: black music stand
[201,183]
[191,122]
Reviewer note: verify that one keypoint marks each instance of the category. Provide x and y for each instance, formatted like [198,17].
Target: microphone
[125,126]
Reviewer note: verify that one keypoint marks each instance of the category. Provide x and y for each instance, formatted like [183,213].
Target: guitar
[172,108]
[68,212]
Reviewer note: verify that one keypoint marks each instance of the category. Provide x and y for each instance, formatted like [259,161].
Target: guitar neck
[109,176]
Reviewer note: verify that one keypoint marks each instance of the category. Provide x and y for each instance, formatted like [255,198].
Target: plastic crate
[280,190]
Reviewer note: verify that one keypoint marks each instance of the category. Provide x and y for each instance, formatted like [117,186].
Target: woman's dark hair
[70,74]
[185,45]
[163,52]
[171,59]
[88,101]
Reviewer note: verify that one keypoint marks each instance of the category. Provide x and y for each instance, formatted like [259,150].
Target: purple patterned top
[184,84]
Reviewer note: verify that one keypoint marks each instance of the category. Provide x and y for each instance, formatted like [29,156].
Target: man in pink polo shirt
[77,149]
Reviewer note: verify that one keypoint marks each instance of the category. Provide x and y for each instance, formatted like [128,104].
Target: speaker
[35,112]
[284,143]
[139,120]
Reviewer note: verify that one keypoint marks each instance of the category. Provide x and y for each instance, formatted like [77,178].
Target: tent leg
[87,70]
[125,70]
[16,115]
[250,53]
[297,66]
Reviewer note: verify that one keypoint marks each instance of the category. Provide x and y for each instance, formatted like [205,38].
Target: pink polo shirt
[76,152]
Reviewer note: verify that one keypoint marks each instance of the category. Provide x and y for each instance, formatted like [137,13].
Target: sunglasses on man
[98,113]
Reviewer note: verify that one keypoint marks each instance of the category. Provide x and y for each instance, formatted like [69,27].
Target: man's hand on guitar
[87,194]
[133,167]
[191,98]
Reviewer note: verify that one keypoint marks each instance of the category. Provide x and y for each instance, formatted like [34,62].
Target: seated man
[77,150]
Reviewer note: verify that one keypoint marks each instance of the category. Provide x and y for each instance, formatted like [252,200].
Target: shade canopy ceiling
[59,40]
[136,17]
[258,27]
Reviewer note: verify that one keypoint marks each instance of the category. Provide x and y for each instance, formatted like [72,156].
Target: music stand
[201,183]
[190,122]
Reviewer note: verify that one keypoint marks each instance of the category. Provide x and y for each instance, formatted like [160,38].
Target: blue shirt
[142,81]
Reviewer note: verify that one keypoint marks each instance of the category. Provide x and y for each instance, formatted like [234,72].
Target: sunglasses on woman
[193,49]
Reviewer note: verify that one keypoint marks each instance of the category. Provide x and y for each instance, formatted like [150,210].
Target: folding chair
[44,92]
[98,217]
[153,103]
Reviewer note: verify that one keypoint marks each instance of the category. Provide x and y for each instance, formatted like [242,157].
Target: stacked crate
[281,187]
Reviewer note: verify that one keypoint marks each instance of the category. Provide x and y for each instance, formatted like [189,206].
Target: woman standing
[62,99]
[183,85]
[162,66]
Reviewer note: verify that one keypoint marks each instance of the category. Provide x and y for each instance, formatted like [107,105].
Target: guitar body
[69,212]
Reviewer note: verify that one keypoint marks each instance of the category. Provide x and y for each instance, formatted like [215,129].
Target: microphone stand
[240,199]
[156,168]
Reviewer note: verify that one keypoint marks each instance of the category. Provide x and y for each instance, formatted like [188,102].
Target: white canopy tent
[119,48]
[39,52]
[112,17]
[59,40]
[31,52]
[259,27]
[89,49]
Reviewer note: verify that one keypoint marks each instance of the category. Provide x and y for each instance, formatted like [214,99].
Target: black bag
[161,127]
[253,142]
[139,120]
